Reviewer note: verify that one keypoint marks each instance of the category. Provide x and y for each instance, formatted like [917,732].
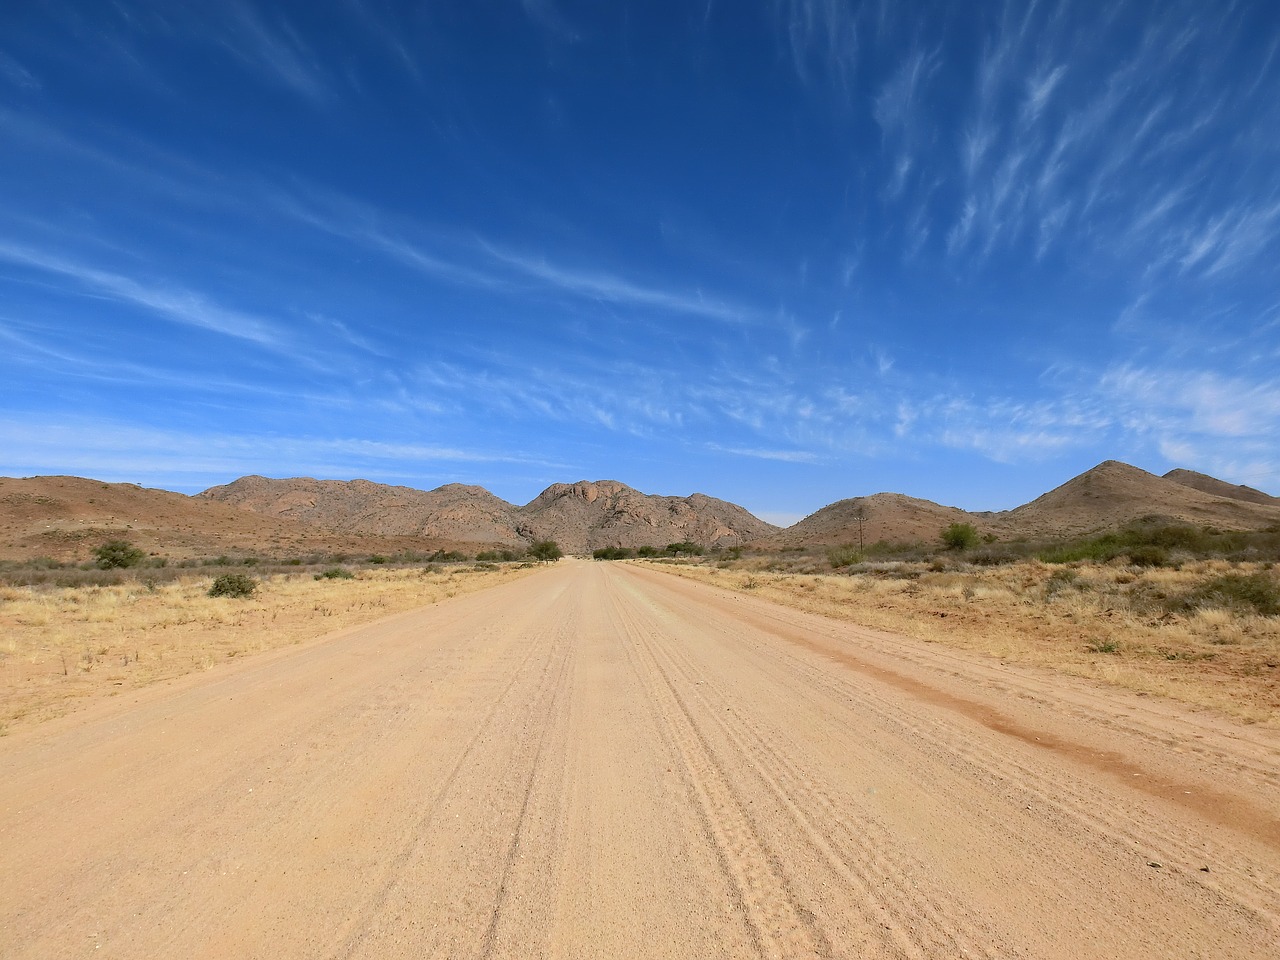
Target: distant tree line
[686,548]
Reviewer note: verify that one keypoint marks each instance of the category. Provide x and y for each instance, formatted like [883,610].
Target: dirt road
[604,761]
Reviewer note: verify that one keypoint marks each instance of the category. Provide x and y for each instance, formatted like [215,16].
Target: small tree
[118,553]
[960,536]
[546,550]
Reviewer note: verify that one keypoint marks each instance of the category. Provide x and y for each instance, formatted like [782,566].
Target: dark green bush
[118,554]
[1257,593]
[612,553]
[335,573]
[233,585]
[545,550]
[686,548]
[447,556]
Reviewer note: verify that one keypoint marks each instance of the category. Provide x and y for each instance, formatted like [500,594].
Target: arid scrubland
[63,646]
[1192,633]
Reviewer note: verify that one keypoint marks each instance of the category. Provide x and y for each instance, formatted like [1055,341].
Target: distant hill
[1107,497]
[66,518]
[580,517]
[1113,494]
[887,517]
[1220,488]
[455,512]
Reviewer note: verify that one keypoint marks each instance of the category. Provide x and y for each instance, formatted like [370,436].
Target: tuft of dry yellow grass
[62,647]
[1100,621]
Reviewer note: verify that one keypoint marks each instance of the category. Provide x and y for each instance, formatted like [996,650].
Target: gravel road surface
[601,760]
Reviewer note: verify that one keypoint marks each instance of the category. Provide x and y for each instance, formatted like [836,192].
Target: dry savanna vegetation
[64,645]
[1196,633]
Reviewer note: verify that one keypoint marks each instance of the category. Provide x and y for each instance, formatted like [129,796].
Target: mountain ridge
[66,517]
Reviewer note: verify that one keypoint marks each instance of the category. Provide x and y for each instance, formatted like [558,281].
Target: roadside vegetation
[1191,613]
[71,633]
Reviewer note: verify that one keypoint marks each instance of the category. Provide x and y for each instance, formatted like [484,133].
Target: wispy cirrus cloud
[17,74]
[822,40]
[474,261]
[275,49]
[762,453]
[172,303]
[610,288]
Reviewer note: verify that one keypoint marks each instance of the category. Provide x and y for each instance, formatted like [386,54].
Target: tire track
[859,854]
[778,924]
[1241,890]
[548,686]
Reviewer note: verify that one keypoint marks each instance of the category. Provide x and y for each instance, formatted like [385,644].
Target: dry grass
[60,647]
[1110,622]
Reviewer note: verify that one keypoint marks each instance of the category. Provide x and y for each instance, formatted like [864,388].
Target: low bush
[960,536]
[117,554]
[612,553]
[1256,593]
[843,556]
[335,573]
[233,585]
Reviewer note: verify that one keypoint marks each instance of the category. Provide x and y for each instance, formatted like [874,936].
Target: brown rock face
[588,515]
[580,517]
[453,512]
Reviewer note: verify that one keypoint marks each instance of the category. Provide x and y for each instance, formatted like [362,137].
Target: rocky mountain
[580,517]
[457,512]
[66,518]
[588,515]
[1220,488]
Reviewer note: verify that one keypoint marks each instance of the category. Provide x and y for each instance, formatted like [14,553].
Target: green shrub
[116,554]
[1256,593]
[1149,555]
[545,550]
[685,547]
[335,573]
[233,585]
[379,558]
[844,556]
[647,551]
[447,556]
[612,553]
[960,536]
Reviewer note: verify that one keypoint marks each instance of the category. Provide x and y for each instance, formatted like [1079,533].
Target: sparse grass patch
[63,646]
[1206,632]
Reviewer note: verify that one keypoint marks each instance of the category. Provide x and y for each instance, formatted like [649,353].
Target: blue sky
[781,252]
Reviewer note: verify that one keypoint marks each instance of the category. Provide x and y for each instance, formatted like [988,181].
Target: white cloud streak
[175,304]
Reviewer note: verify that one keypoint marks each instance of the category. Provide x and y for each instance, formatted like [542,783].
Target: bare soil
[600,760]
